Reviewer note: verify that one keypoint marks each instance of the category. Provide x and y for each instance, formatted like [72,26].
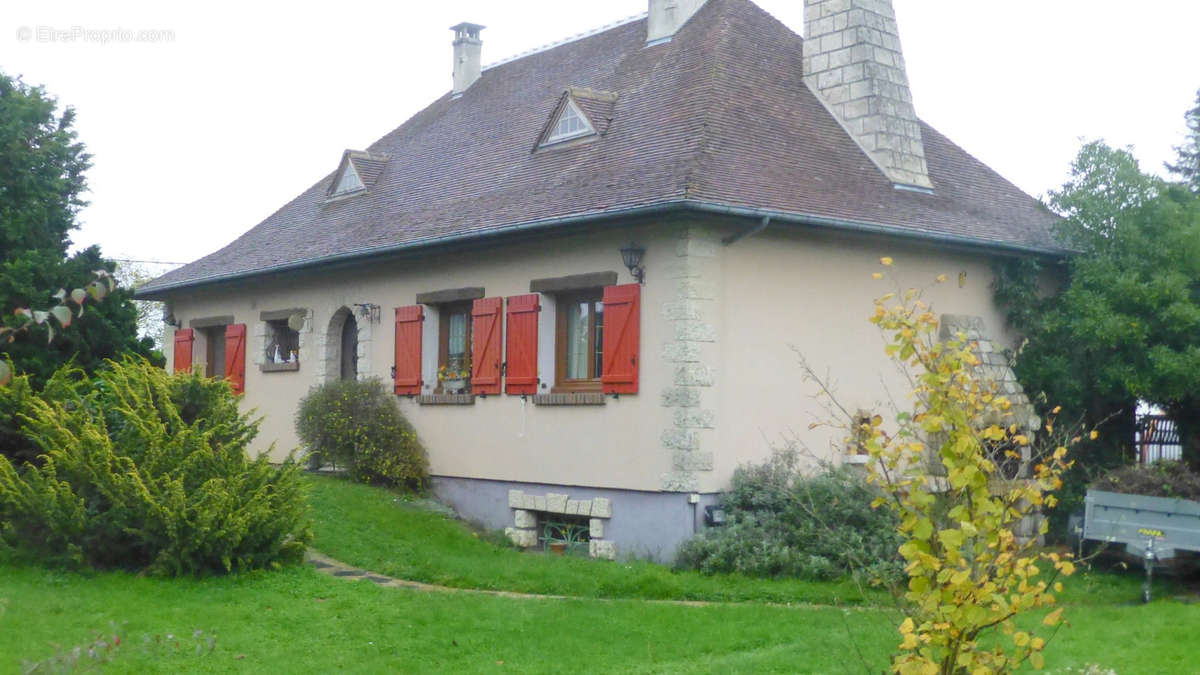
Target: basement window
[564,534]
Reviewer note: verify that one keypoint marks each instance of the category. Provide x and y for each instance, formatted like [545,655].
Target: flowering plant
[446,373]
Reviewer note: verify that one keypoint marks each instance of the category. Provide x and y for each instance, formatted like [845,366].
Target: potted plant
[454,377]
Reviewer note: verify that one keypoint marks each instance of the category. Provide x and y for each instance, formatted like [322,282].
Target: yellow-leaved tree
[939,468]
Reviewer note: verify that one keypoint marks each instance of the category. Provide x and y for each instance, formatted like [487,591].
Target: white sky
[199,138]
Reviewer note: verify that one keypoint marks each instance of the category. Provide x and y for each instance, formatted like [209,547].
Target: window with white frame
[571,123]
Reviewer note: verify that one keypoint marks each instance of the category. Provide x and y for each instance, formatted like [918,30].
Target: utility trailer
[1154,529]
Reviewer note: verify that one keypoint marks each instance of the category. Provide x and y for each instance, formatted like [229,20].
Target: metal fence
[1158,439]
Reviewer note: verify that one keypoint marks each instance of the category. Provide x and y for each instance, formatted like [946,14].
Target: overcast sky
[199,134]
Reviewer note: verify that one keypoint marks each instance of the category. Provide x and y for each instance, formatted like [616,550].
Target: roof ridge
[564,41]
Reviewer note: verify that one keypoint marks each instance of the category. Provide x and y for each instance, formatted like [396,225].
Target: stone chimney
[666,17]
[853,62]
[468,56]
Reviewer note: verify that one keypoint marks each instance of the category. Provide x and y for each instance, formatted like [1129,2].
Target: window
[580,341]
[571,123]
[349,182]
[214,336]
[564,534]
[282,344]
[454,348]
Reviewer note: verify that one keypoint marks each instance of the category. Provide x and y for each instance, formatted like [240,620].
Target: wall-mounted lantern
[631,255]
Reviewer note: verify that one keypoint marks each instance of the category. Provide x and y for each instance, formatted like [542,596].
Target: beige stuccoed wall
[789,290]
[720,381]
[500,437]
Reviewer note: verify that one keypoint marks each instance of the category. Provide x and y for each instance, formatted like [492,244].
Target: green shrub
[780,522]
[142,470]
[1160,479]
[358,426]
[15,398]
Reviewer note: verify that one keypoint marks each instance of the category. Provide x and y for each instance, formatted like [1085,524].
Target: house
[623,240]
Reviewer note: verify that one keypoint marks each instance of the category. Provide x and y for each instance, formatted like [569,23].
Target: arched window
[349,349]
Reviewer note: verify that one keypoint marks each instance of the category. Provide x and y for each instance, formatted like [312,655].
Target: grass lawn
[384,532]
[298,620]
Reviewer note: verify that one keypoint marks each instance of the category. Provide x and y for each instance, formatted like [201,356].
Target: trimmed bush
[1160,479]
[358,426]
[145,471]
[782,523]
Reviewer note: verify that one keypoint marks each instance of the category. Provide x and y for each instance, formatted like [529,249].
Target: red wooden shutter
[184,339]
[409,323]
[521,374]
[622,312]
[235,356]
[487,338]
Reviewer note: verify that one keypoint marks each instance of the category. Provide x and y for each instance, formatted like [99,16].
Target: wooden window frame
[443,315]
[214,334]
[563,385]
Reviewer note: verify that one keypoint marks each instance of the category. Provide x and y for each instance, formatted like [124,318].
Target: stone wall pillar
[691,355]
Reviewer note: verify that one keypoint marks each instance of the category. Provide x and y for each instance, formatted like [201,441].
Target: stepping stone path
[336,568]
[339,569]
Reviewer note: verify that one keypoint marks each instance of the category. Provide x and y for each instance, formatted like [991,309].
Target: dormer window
[349,182]
[357,172]
[580,113]
[571,124]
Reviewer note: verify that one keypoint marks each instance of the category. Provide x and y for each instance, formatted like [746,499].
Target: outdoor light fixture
[632,256]
[368,311]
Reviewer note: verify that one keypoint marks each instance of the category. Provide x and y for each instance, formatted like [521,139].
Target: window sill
[279,367]
[446,399]
[570,398]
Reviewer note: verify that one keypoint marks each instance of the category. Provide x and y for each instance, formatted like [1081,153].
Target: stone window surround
[445,399]
[574,282]
[262,335]
[526,506]
[211,321]
[583,398]
[329,344]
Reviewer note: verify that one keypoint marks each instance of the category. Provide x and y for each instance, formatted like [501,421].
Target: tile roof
[718,118]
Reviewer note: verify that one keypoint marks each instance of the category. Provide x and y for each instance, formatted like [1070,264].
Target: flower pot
[456,386]
[558,547]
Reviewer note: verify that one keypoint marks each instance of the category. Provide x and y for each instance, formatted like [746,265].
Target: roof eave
[679,205]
